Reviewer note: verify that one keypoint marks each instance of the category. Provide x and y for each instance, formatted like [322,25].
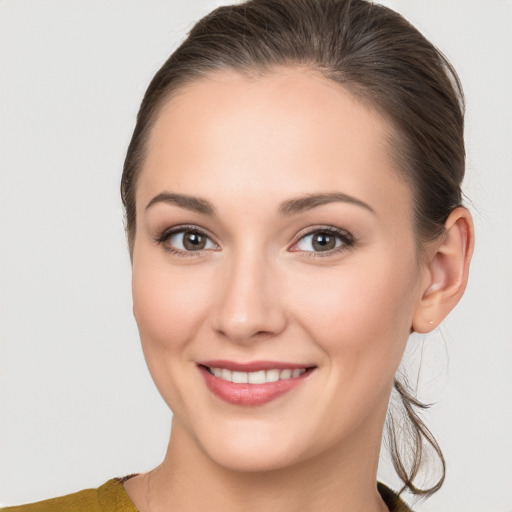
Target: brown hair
[378,56]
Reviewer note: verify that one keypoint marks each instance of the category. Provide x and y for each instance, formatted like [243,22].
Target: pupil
[194,241]
[324,242]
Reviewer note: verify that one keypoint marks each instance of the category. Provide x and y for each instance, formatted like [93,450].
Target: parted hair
[387,64]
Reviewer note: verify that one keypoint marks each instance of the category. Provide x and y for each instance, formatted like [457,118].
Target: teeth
[260,377]
[285,374]
[239,377]
[272,375]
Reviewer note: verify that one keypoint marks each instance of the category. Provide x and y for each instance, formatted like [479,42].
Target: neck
[342,479]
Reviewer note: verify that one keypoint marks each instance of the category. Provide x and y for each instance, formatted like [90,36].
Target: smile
[252,383]
[259,377]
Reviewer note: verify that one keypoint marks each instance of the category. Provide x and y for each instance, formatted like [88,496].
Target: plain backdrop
[77,403]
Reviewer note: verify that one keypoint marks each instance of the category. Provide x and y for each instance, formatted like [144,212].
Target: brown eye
[323,241]
[189,240]
[193,241]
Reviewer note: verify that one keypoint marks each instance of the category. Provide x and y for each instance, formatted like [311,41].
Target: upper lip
[253,366]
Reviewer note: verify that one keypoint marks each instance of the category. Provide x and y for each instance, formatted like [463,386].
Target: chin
[252,460]
[246,450]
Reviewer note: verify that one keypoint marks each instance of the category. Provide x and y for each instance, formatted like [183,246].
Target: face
[274,248]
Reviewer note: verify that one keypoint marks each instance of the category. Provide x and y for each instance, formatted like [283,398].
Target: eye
[186,240]
[324,240]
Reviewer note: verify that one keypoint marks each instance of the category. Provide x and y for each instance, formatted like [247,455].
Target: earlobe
[446,272]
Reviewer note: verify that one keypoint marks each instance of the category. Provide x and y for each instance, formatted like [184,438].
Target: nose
[249,301]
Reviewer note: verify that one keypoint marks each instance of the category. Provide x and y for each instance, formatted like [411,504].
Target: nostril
[247,309]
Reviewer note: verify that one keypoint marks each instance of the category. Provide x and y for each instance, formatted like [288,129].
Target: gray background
[77,403]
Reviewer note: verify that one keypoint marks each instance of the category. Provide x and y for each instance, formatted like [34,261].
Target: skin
[260,291]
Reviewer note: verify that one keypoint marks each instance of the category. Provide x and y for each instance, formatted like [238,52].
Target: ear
[446,271]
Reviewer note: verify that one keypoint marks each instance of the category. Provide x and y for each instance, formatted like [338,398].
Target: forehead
[285,133]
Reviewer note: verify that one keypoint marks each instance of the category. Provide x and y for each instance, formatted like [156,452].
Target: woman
[293,212]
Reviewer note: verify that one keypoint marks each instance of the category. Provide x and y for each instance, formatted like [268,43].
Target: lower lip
[250,394]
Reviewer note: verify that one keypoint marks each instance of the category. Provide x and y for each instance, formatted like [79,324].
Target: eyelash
[168,233]
[347,240]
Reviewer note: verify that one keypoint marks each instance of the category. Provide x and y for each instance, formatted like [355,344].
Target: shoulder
[109,497]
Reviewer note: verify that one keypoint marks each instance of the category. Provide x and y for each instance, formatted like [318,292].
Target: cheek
[360,315]
[360,319]
[169,305]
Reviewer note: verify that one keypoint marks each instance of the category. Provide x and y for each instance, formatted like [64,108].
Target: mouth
[252,383]
[258,377]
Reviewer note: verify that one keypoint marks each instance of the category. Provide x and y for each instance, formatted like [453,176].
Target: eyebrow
[308,202]
[287,208]
[194,204]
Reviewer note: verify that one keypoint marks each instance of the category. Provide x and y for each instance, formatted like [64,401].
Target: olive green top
[111,497]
